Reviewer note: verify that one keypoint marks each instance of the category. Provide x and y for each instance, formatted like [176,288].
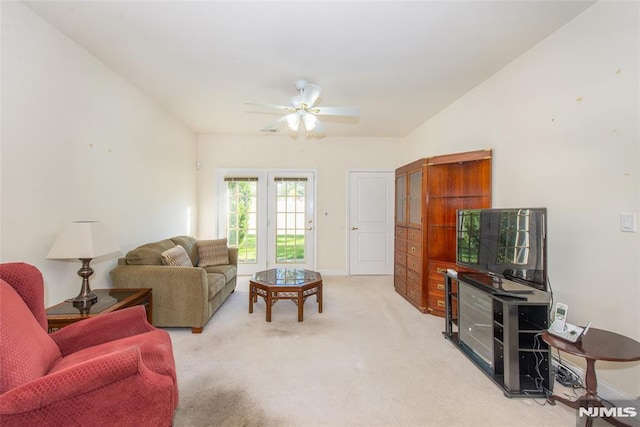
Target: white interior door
[371,226]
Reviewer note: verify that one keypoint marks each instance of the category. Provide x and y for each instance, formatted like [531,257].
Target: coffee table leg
[300,306]
[269,304]
[319,298]
[251,292]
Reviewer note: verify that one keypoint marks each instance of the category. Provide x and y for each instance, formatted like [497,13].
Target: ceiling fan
[302,111]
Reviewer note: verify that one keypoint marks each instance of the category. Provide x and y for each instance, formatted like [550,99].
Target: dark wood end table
[65,313]
[597,344]
[285,283]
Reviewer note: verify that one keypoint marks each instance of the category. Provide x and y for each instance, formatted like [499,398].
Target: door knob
[309,228]
[354,228]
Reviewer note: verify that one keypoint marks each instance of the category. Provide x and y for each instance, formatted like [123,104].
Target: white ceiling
[401,62]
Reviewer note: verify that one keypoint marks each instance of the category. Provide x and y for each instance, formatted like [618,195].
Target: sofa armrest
[105,328]
[233,255]
[180,294]
[70,383]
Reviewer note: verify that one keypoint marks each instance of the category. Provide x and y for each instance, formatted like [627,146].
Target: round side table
[597,344]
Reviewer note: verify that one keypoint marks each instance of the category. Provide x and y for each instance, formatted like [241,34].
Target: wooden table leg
[300,306]
[251,292]
[269,304]
[592,388]
[319,298]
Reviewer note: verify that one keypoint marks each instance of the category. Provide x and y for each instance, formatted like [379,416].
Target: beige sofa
[182,296]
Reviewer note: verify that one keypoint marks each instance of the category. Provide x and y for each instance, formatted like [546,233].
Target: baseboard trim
[333,272]
[605,390]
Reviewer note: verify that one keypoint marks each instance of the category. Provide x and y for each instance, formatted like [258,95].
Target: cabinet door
[415,198]
[401,199]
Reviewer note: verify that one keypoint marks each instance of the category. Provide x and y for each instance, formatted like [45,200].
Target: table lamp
[84,240]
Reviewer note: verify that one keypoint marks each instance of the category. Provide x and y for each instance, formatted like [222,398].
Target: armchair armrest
[105,328]
[80,379]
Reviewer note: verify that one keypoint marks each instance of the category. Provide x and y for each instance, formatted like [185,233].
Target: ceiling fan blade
[310,94]
[277,107]
[319,127]
[336,111]
[274,125]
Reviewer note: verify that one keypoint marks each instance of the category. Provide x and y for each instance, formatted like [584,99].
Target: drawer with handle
[436,304]
[414,279]
[414,235]
[414,263]
[414,249]
[414,294]
[400,285]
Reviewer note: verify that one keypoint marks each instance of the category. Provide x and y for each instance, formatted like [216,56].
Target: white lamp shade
[84,239]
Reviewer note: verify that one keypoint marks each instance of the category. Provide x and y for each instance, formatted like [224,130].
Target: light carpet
[370,359]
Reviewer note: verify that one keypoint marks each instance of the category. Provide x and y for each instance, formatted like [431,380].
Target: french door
[269,216]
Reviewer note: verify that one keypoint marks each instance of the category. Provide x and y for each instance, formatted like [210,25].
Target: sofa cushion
[228,270]
[176,257]
[212,252]
[189,245]
[215,282]
[27,350]
[149,254]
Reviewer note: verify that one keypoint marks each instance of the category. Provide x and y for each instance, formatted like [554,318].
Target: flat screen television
[508,243]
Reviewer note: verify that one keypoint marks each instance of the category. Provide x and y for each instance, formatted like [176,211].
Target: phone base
[571,333]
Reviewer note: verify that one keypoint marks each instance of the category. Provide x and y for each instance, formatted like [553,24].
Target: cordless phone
[562,329]
[559,324]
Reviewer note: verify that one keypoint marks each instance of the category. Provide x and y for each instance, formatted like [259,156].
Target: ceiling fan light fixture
[310,121]
[293,121]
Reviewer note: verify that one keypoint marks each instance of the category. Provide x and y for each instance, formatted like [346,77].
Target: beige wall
[80,143]
[330,158]
[563,122]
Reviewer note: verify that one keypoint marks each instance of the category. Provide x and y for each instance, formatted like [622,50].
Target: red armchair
[107,370]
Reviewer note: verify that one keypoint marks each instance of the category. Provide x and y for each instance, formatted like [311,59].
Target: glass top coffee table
[285,283]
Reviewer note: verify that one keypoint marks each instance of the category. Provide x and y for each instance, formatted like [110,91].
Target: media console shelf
[498,324]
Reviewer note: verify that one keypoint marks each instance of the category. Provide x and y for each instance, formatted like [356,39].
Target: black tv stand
[499,330]
[516,295]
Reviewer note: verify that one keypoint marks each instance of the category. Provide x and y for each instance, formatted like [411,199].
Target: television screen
[509,243]
[468,246]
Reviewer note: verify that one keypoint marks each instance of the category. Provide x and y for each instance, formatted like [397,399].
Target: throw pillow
[176,257]
[212,252]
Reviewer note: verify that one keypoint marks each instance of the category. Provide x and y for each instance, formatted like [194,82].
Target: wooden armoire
[429,192]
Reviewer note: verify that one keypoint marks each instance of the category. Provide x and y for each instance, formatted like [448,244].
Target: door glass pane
[242,217]
[401,198]
[290,220]
[415,195]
